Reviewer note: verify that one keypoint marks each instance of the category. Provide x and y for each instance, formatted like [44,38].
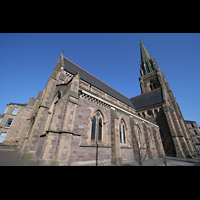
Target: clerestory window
[150,113]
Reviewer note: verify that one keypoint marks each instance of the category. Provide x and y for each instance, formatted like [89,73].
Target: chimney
[39,95]
[31,102]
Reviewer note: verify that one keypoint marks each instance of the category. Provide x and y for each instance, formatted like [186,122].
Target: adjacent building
[195,132]
[13,122]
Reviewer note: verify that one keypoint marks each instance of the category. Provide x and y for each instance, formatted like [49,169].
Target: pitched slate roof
[147,99]
[72,68]
[189,121]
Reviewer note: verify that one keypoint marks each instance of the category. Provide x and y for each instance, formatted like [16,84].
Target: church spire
[147,64]
[145,56]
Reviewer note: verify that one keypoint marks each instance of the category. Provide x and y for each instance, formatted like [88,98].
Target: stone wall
[61,130]
[14,132]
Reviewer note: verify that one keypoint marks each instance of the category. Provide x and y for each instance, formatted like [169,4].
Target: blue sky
[27,60]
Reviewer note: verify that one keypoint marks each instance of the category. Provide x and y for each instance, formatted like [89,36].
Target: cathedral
[80,120]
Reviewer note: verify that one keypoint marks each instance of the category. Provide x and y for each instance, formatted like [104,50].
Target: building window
[122,132]
[198,139]
[152,86]
[2,137]
[97,127]
[8,123]
[150,113]
[156,112]
[15,109]
[195,132]
[192,125]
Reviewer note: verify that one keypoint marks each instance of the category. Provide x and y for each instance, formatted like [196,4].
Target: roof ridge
[145,93]
[95,77]
[19,104]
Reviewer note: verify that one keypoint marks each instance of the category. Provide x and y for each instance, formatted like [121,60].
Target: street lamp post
[97,153]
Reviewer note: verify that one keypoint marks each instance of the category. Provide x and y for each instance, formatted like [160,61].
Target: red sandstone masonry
[71,118]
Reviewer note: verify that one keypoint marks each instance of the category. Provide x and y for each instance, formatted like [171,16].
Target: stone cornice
[60,132]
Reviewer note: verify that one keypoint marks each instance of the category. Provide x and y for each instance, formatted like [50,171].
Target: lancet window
[97,127]
[122,131]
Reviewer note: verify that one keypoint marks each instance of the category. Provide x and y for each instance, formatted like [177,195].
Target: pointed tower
[147,64]
[148,68]
[157,94]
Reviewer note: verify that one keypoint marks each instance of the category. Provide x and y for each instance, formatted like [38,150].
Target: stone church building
[79,120]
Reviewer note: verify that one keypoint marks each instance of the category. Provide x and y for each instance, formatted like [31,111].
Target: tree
[141,149]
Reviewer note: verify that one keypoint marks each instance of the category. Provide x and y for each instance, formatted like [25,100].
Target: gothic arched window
[122,131]
[149,112]
[156,112]
[152,85]
[97,127]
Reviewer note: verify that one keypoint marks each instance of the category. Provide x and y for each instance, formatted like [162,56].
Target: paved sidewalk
[10,157]
[171,161]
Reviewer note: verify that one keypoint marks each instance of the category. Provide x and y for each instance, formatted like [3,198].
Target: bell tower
[148,70]
[169,119]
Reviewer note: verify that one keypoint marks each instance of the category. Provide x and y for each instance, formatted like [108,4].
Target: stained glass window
[122,132]
[100,130]
[97,127]
[97,114]
[93,128]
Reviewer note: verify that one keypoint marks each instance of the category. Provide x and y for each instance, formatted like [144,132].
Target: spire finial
[145,56]
[61,57]
[147,63]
